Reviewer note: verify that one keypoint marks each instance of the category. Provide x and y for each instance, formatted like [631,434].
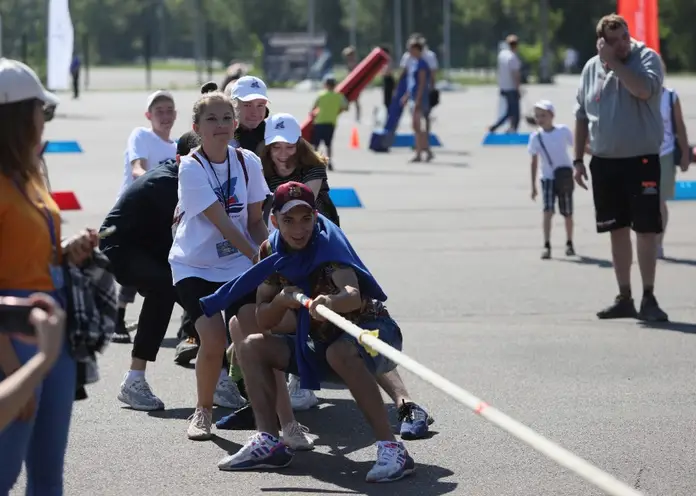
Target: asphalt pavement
[456,245]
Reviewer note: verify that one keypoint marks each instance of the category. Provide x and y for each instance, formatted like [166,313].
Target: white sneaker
[301,399]
[136,393]
[296,436]
[227,394]
[201,425]
[393,463]
[261,451]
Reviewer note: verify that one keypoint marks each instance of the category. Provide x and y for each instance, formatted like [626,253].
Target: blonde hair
[306,157]
[205,100]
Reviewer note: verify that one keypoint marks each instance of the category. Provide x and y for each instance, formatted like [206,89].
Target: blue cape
[328,244]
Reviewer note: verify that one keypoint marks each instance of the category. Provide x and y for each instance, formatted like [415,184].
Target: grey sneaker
[296,436]
[201,425]
[137,394]
[227,394]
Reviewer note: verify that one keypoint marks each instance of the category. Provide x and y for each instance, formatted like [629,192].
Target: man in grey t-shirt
[618,108]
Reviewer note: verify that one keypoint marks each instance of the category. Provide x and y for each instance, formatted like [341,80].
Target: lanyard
[226,201]
[48,217]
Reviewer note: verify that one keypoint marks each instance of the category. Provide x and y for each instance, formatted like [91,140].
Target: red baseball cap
[291,195]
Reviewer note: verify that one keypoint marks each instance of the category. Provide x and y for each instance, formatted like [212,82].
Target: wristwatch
[578,161]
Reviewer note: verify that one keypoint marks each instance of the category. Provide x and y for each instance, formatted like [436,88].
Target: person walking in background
[621,88]
[675,152]
[75,66]
[329,104]
[350,58]
[433,94]
[417,97]
[509,84]
[551,142]
[31,261]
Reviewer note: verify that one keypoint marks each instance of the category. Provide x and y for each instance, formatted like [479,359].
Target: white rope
[608,483]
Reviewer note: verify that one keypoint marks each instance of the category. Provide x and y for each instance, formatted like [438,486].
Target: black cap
[209,87]
[187,142]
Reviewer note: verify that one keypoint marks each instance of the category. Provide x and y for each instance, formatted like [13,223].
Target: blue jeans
[40,442]
[512,112]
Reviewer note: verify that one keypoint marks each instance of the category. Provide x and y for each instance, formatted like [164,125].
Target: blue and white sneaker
[414,421]
[393,463]
[261,451]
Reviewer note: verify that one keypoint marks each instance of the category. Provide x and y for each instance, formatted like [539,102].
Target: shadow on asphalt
[683,327]
[680,261]
[340,426]
[584,260]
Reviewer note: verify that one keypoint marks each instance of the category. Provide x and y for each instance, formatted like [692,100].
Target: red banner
[642,19]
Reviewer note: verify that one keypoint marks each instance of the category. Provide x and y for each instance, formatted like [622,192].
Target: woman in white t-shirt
[220,227]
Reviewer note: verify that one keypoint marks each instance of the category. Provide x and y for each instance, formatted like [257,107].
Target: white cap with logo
[282,128]
[248,88]
[19,82]
[158,94]
[545,105]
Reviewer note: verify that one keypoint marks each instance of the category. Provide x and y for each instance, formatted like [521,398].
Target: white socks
[134,375]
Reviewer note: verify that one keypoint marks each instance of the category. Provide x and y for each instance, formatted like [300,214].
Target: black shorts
[322,132]
[626,193]
[192,289]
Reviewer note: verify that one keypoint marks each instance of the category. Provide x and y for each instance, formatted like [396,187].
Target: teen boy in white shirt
[147,147]
[551,142]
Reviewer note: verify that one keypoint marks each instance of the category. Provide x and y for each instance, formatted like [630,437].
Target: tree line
[119,31]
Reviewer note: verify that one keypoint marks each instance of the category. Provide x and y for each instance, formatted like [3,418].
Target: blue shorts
[322,132]
[425,106]
[389,332]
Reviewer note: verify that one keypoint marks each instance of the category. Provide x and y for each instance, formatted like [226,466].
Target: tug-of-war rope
[370,340]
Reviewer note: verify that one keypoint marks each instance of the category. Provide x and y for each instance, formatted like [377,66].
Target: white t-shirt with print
[199,249]
[428,55]
[143,143]
[508,63]
[668,96]
[557,141]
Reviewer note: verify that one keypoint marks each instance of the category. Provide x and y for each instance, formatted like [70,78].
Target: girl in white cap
[31,257]
[250,99]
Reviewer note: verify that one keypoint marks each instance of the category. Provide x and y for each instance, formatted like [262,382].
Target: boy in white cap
[147,147]
[551,142]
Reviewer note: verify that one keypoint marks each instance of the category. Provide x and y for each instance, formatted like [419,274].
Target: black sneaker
[546,254]
[622,308]
[570,251]
[121,334]
[650,311]
[186,350]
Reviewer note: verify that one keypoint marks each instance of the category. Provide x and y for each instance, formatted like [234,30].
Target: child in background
[329,104]
[552,142]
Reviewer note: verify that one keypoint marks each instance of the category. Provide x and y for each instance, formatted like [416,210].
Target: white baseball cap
[248,88]
[282,128]
[545,105]
[19,82]
[157,94]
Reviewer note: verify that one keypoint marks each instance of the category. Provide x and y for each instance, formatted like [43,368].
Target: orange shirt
[26,251]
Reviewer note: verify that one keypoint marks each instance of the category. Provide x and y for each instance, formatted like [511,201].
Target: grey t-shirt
[620,124]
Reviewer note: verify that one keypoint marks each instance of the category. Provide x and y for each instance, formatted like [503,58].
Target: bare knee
[342,354]
[243,324]
[211,332]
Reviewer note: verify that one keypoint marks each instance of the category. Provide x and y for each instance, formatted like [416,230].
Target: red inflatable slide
[355,82]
